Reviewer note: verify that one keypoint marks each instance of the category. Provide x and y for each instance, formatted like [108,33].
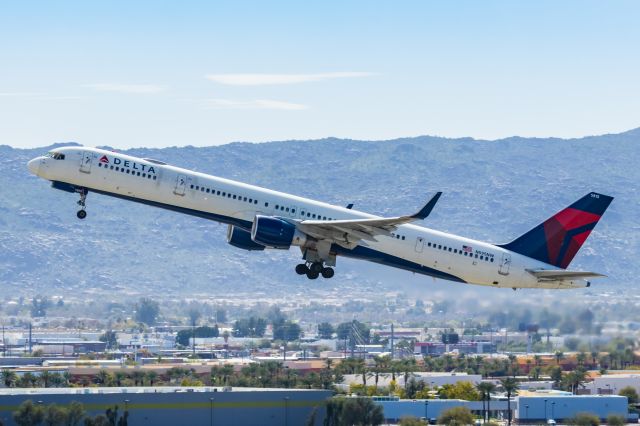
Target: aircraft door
[87,159]
[419,244]
[505,264]
[181,185]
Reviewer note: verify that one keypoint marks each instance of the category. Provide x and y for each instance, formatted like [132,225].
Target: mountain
[493,190]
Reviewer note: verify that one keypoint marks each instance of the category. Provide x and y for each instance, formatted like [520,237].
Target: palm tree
[152,376]
[9,377]
[102,376]
[483,388]
[559,355]
[510,386]
[537,360]
[581,358]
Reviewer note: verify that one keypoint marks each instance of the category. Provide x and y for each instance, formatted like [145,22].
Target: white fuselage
[410,247]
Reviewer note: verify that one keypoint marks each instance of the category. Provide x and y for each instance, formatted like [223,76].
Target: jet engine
[240,238]
[274,232]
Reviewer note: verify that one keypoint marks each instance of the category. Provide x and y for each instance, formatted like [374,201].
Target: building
[611,384]
[438,348]
[174,405]
[395,409]
[543,405]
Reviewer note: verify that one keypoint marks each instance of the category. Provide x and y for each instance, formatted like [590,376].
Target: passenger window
[255,201]
[428,244]
[207,190]
[229,195]
[197,188]
[154,178]
[127,171]
[466,254]
[250,200]
[293,210]
[145,175]
[234,197]
[287,209]
[266,204]
[450,249]
[308,214]
[111,167]
[245,199]
[324,218]
[476,256]
[313,215]
[403,237]
[439,247]
[492,259]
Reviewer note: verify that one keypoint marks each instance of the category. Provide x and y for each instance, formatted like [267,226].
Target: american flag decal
[467,249]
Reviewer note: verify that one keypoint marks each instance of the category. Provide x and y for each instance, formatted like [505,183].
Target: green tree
[110,338]
[325,330]
[631,394]
[353,411]
[75,413]
[456,416]
[147,310]
[39,306]
[28,414]
[286,330]
[9,377]
[55,415]
[510,386]
[459,390]
[183,336]
[585,419]
[616,420]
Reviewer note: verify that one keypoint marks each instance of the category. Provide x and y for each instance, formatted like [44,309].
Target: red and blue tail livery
[558,239]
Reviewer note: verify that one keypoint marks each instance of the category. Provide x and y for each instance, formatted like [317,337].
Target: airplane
[260,218]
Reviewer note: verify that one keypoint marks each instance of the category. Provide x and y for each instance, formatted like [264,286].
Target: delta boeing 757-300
[260,218]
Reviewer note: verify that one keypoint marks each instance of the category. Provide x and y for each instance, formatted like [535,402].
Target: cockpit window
[55,155]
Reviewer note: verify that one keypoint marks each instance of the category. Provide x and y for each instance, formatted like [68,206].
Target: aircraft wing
[349,232]
[561,274]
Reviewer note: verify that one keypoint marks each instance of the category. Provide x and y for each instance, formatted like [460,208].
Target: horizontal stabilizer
[561,274]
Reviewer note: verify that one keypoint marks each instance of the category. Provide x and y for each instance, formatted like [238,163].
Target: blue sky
[161,73]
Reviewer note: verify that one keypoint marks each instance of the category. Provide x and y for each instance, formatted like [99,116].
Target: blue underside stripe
[358,252]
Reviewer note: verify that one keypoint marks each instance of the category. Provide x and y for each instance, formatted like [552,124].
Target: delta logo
[128,164]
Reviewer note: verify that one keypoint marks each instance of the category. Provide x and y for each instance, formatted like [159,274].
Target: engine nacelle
[276,233]
[240,238]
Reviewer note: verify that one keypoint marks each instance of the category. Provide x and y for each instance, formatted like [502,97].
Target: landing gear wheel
[312,275]
[327,273]
[301,269]
[82,202]
[316,267]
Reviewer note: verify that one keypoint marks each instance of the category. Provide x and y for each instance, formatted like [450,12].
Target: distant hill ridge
[493,190]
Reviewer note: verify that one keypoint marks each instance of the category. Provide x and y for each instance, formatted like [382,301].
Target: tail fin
[558,239]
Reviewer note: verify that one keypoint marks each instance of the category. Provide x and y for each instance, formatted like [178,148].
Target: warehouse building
[182,405]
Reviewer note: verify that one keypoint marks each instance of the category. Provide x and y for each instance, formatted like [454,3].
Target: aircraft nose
[34,166]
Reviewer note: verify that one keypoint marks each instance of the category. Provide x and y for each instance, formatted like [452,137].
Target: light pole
[553,406]
[545,410]
[126,406]
[286,411]
[526,411]
[426,410]
[211,411]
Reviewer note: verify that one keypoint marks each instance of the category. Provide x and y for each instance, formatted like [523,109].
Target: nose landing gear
[82,213]
[314,269]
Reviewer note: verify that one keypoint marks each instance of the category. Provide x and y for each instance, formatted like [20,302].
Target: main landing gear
[314,269]
[82,213]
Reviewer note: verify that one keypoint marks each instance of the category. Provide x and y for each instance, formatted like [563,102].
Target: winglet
[426,210]
[350,206]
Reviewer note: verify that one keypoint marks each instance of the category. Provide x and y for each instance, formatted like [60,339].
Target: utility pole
[30,339]
[392,341]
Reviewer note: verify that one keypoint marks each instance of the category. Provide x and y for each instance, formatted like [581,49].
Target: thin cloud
[37,96]
[253,104]
[126,88]
[273,79]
